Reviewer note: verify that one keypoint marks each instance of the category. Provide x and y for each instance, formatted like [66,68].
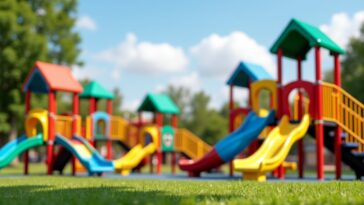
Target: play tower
[45,78]
[160,105]
[94,92]
[297,39]
[242,77]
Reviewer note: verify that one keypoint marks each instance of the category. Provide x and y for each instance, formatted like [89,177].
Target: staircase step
[350,145]
[332,134]
[330,124]
[358,154]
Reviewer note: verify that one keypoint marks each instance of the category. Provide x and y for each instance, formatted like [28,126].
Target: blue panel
[97,116]
[36,83]
[237,141]
[248,71]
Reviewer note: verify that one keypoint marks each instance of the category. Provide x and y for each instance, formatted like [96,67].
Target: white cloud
[132,105]
[87,23]
[218,55]
[86,72]
[342,27]
[190,81]
[145,57]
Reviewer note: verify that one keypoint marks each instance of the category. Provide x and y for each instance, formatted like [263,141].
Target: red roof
[57,77]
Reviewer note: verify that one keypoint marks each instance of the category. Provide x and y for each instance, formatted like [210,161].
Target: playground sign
[167,139]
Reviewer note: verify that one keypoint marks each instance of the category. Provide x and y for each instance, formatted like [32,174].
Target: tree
[216,128]
[31,30]
[199,112]
[225,110]
[182,97]
[117,101]
[353,67]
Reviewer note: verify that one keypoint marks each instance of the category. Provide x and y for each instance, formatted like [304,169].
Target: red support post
[51,130]
[159,119]
[319,115]
[301,153]
[338,131]
[231,124]
[109,142]
[26,152]
[280,100]
[174,124]
[75,113]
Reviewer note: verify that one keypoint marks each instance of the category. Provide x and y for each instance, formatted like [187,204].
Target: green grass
[91,190]
[77,190]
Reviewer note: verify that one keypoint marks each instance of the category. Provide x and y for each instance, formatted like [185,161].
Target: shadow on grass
[43,194]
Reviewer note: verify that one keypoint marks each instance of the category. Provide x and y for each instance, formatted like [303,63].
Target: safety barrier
[88,130]
[190,144]
[118,128]
[64,125]
[346,111]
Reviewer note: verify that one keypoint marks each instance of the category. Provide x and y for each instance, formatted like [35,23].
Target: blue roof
[248,71]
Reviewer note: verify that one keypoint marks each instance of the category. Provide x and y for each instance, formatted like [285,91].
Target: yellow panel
[258,86]
[34,117]
[190,144]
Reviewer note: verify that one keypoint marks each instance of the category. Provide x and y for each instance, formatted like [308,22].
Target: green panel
[94,89]
[159,103]
[168,139]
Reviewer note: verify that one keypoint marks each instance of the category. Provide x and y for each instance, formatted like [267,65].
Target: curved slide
[225,150]
[17,146]
[274,149]
[135,156]
[86,154]
[95,163]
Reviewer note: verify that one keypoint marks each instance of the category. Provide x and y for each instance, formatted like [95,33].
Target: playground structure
[341,112]
[78,144]
[338,126]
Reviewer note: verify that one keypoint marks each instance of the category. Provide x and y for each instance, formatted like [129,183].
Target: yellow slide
[138,153]
[274,150]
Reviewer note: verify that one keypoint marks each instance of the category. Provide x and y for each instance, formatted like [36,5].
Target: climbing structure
[45,78]
[332,109]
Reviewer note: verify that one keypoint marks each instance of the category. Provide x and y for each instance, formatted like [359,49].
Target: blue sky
[143,46]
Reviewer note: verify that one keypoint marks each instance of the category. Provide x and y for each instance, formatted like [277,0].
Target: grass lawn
[16,189]
[82,190]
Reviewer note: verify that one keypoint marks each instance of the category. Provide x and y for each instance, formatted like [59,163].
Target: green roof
[94,89]
[299,37]
[159,103]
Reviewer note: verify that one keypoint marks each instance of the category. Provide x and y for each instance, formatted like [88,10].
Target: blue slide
[225,150]
[86,154]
